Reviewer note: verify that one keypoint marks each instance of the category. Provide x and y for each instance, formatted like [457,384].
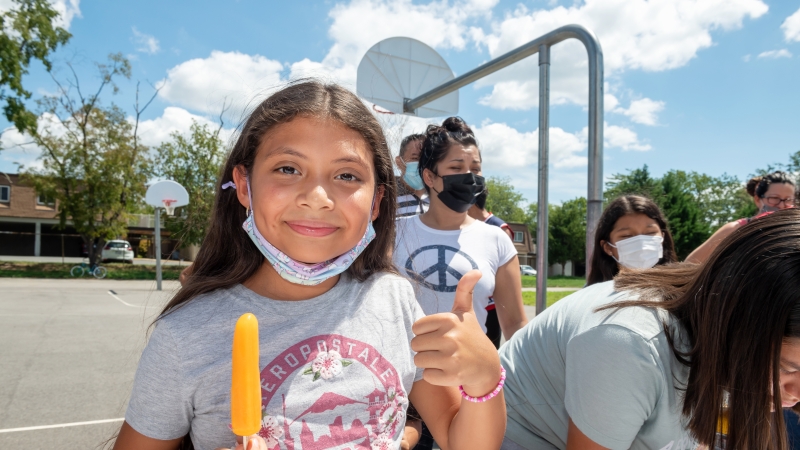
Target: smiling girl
[300,236]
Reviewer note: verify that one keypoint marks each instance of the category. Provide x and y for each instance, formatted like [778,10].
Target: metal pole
[594,194]
[544,156]
[158,249]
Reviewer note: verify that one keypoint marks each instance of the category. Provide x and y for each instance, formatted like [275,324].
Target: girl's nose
[317,198]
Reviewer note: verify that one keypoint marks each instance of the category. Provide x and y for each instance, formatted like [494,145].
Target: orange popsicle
[246,379]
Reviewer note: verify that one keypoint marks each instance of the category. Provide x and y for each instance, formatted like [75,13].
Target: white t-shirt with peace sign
[434,261]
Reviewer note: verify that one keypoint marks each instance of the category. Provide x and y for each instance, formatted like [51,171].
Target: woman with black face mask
[435,249]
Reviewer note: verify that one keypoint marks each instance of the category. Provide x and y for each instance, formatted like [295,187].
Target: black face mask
[461,191]
[480,200]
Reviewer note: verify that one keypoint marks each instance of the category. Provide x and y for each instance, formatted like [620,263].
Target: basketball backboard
[401,68]
[166,194]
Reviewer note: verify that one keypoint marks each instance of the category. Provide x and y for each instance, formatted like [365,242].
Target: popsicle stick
[244,441]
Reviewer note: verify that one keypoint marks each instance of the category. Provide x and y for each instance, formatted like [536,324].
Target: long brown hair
[603,266]
[227,256]
[736,310]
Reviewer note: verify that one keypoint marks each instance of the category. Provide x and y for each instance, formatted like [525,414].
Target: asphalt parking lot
[69,354]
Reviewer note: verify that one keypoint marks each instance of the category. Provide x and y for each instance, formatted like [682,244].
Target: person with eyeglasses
[771,192]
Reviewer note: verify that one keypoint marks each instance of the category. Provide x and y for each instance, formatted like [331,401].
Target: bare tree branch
[225,107]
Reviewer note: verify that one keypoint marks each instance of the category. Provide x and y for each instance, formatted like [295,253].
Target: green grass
[529,298]
[116,271]
[557,281]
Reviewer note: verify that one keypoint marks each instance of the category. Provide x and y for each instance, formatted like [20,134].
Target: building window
[5,194]
[45,200]
[519,236]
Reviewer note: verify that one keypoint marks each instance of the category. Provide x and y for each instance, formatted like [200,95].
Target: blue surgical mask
[296,271]
[411,176]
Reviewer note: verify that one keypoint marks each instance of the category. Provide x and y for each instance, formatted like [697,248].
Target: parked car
[117,250]
[527,270]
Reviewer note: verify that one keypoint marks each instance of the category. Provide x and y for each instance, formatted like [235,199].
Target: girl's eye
[287,170]
[788,372]
[349,177]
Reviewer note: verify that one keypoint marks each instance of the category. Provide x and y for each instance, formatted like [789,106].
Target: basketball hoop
[169,206]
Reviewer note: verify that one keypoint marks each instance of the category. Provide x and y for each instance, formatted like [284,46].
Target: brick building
[526,249]
[28,226]
[28,223]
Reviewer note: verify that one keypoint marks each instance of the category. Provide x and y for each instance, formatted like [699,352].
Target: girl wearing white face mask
[632,233]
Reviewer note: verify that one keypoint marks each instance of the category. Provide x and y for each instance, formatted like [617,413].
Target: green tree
[194,162]
[504,201]
[686,223]
[92,164]
[27,32]
[567,234]
[719,199]
[635,182]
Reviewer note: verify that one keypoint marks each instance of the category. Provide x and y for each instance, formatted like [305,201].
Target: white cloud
[644,111]
[653,35]
[204,84]
[145,42]
[775,54]
[67,10]
[623,138]
[156,131]
[17,149]
[791,27]
[504,147]
[360,24]
[746,58]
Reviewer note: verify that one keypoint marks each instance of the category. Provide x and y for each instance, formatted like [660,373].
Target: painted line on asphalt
[61,425]
[114,294]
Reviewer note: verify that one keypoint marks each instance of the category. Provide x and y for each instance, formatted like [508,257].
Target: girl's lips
[312,229]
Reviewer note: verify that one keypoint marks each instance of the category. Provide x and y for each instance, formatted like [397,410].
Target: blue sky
[703,85]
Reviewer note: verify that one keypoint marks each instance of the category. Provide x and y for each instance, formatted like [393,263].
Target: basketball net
[168,206]
[393,127]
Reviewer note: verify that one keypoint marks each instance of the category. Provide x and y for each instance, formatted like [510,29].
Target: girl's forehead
[468,153]
[313,137]
[639,220]
[784,189]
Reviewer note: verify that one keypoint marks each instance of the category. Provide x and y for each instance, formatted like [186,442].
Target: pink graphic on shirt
[331,392]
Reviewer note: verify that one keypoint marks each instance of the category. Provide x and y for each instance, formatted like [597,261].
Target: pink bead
[488,396]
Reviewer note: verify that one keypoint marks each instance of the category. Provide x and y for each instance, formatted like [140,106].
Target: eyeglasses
[775,201]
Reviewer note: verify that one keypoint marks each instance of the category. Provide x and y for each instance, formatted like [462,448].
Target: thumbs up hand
[452,347]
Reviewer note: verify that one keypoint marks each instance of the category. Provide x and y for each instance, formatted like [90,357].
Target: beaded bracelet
[488,396]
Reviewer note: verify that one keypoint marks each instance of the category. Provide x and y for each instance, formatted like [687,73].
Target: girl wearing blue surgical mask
[301,236]
[411,196]
[632,233]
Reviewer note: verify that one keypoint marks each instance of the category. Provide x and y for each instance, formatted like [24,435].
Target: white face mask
[639,252]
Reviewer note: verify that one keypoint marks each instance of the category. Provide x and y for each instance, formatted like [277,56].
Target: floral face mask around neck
[295,271]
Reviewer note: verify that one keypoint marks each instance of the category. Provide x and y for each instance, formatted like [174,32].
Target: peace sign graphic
[441,267]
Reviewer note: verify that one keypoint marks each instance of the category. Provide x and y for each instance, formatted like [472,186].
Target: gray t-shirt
[336,369]
[612,372]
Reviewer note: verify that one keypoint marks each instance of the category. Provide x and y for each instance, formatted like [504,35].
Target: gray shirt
[336,369]
[612,372]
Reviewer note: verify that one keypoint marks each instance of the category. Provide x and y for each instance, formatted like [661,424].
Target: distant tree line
[695,204]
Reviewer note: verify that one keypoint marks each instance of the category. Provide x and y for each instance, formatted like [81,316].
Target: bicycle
[84,269]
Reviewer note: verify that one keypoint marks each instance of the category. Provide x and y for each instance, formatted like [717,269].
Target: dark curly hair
[758,186]
[438,140]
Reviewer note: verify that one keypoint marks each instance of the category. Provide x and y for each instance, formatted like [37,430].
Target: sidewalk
[77,260]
